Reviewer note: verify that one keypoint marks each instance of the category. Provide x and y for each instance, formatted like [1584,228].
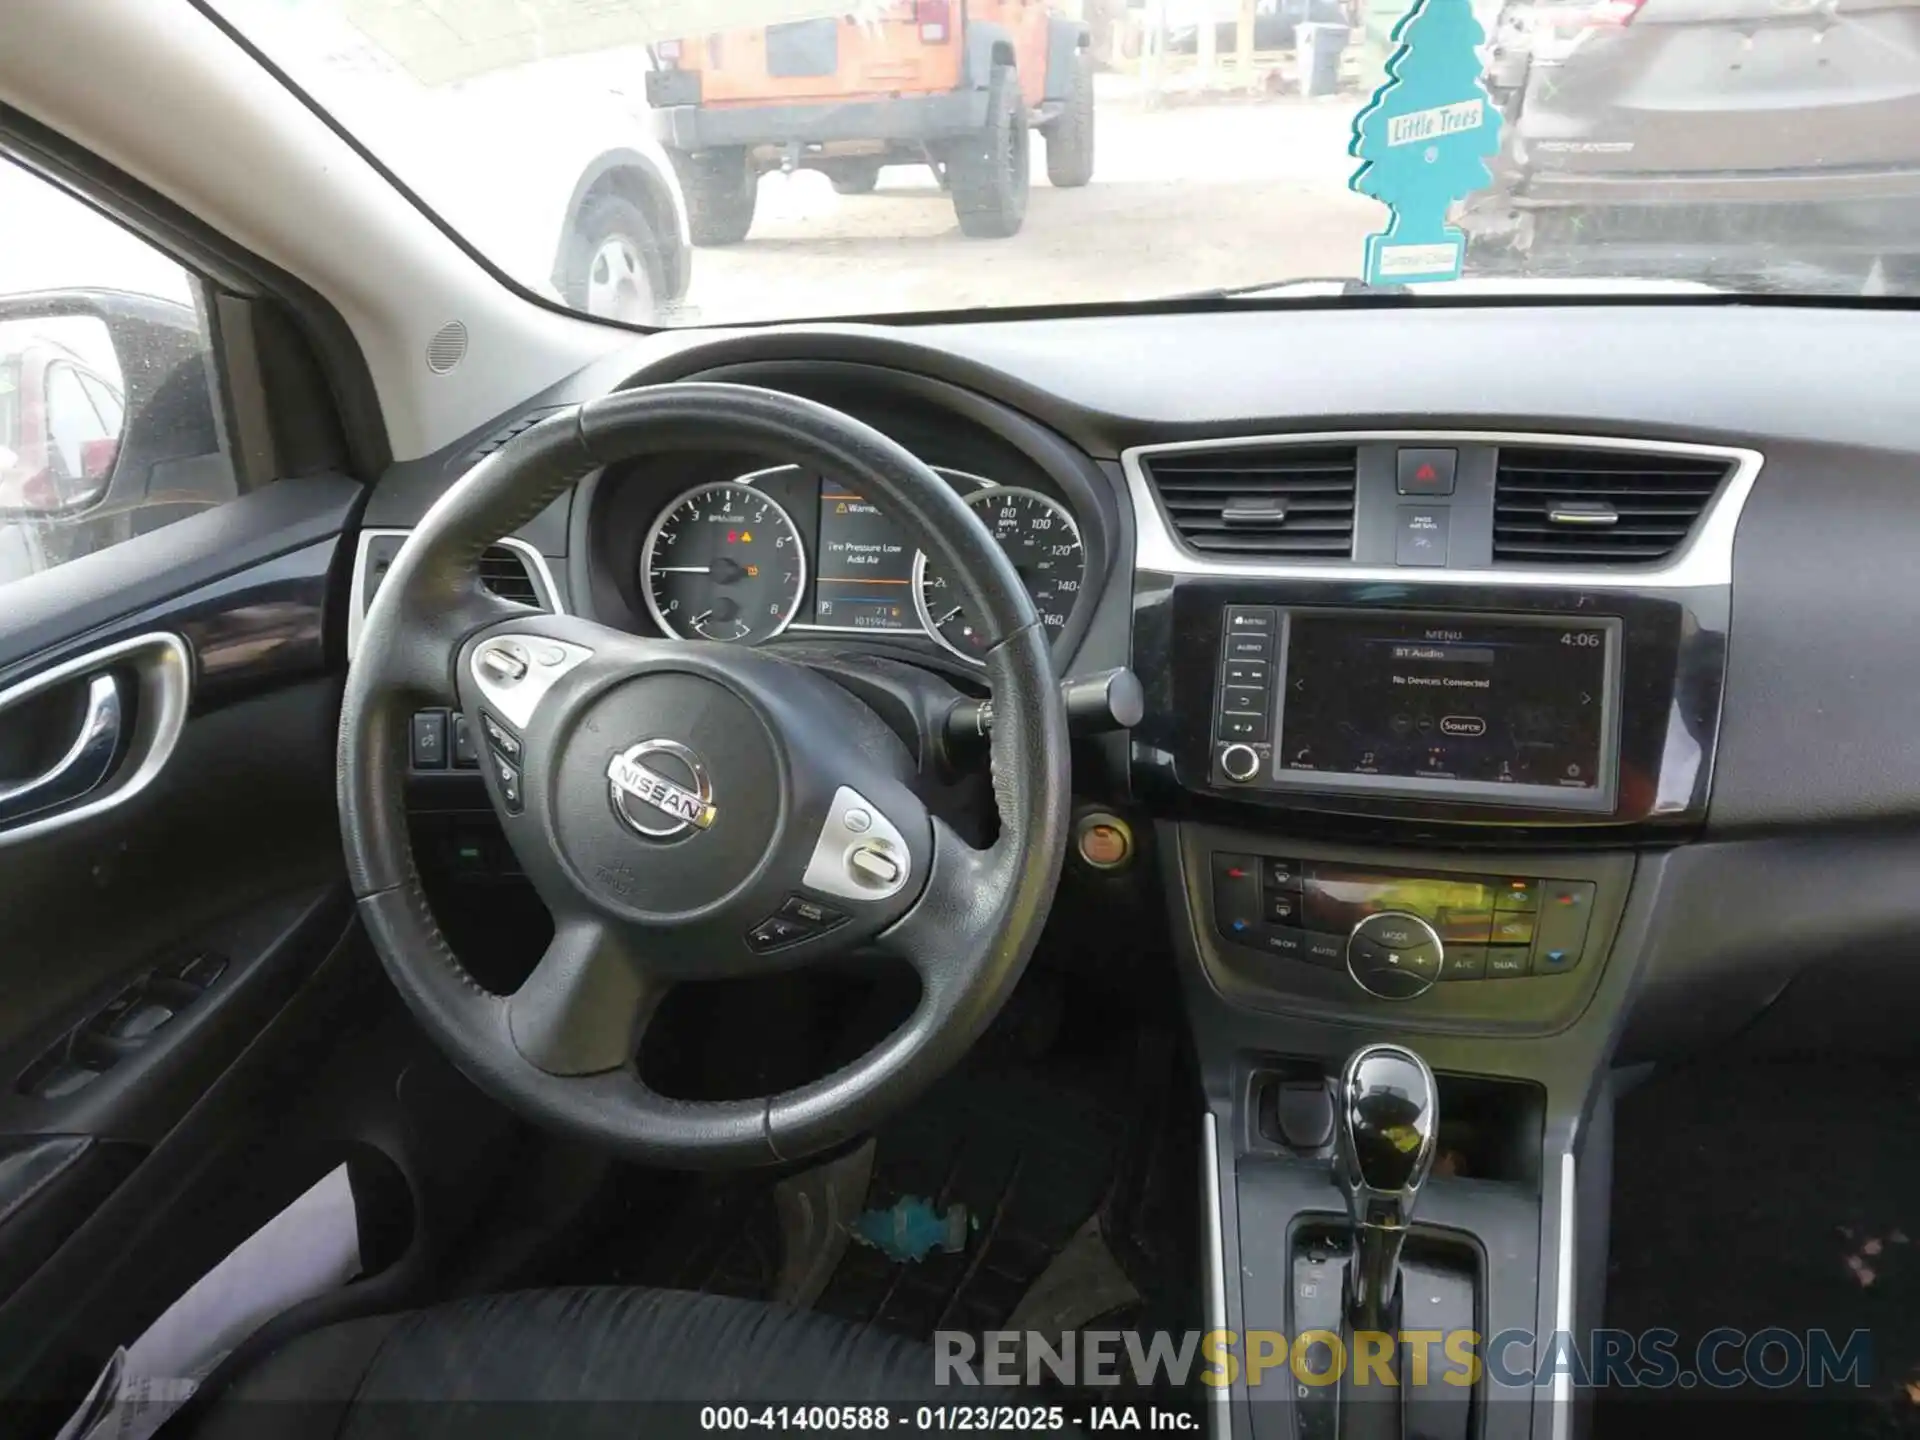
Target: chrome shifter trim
[1706,558]
[1562,1400]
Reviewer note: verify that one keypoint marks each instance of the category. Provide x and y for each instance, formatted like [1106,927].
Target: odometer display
[723,562]
[1043,543]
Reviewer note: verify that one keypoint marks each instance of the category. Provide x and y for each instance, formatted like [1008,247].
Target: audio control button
[1394,955]
[1240,762]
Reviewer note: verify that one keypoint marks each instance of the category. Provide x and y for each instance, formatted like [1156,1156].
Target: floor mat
[1785,1194]
[1060,1114]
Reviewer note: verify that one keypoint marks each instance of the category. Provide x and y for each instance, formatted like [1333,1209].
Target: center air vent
[1260,503]
[504,571]
[1556,506]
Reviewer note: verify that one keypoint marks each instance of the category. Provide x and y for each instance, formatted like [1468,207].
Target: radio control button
[1251,728]
[1249,647]
[1240,762]
[1247,672]
[1243,698]
[1249,620]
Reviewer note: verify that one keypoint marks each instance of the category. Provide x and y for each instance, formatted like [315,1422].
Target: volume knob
[1240,762]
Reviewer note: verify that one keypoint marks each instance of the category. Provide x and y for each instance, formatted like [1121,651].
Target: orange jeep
[927,82]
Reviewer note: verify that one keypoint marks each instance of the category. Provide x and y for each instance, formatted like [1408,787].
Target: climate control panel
[1397,933]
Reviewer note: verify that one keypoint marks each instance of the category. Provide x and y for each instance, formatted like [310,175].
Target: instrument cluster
[748,558]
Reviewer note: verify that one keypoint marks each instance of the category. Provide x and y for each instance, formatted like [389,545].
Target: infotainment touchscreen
[1504,708]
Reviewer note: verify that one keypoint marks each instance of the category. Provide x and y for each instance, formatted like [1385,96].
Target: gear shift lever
[1388,1115]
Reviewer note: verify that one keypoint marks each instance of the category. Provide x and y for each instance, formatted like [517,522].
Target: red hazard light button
[1426,472]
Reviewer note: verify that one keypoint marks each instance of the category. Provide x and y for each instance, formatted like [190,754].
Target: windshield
[714,161]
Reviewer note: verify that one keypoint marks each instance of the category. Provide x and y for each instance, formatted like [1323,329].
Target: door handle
[88,761]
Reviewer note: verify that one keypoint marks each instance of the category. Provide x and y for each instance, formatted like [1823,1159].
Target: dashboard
[753,550]
[1411,675]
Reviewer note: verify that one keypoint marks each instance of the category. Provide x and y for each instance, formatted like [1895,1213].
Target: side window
[110,423]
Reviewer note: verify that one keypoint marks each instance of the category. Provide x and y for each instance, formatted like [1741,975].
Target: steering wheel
[689,810]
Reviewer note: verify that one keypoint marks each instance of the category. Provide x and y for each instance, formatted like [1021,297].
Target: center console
[1400,806]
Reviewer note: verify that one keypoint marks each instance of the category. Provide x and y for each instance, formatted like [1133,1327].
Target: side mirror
[103,394]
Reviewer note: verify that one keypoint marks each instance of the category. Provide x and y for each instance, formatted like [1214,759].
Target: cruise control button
[1249,728]
[811,913]
[1506,961]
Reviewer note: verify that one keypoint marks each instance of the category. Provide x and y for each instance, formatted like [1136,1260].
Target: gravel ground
[1231,191]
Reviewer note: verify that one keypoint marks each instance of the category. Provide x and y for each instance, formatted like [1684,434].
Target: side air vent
[501,436]
[504,571]
[1293,501]
[1555,506]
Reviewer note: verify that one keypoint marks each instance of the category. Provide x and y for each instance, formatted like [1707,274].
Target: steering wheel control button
[512,683]
[506,662]
[811,913]
[860,854]
[661,789]
[500,738]
[1425,472]
[873,865]
[508,775]
[776,932]
[1394,955]
[429,748]
[1240,762]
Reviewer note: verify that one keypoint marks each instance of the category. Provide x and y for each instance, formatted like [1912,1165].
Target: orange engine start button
[1105,841]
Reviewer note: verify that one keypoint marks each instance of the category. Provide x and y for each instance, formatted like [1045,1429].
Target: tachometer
[723,562]
[1043,543]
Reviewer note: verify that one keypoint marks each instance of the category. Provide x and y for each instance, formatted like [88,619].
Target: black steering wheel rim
[973,917]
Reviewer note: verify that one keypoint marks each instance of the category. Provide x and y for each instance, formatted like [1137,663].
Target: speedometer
[723,562]
[1043,543]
